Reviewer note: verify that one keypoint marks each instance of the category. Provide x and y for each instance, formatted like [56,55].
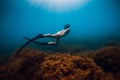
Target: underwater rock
[39,65]
[23,66]
[70,50]
[108,58]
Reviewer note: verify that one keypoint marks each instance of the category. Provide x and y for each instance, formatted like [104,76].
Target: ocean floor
[72,64]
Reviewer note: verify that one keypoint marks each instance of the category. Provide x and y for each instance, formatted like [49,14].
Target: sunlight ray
[59,5]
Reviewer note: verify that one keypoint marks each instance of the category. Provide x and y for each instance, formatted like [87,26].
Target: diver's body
[57,36]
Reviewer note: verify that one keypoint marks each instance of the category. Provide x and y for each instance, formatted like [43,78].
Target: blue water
[92,25]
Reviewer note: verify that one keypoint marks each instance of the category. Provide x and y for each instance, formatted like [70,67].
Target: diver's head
[66,26]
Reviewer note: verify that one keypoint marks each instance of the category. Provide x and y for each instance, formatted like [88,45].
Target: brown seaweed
[108,58]
[39,65]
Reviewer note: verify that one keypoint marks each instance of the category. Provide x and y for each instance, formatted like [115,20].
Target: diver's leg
[28,43]
[36,42]
[32,40]
[45,35]
[40,36]
[42,43]
[49,35]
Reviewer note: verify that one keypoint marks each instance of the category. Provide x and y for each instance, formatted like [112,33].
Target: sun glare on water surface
[59,5]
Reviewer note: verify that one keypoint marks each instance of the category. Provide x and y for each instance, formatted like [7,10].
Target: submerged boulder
[69,67]
[108,58]
[38,65]
[24,65]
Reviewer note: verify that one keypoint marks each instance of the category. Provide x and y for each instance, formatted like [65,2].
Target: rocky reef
[102,64]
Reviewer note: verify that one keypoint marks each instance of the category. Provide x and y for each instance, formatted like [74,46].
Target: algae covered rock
[39,65]
[66,66]
[23,66]
[108,58]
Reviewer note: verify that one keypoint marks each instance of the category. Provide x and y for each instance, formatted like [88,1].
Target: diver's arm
[54,43]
